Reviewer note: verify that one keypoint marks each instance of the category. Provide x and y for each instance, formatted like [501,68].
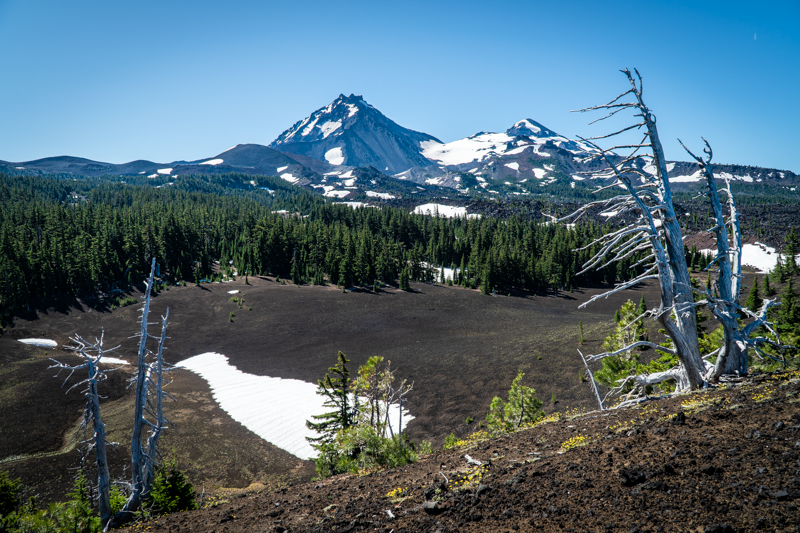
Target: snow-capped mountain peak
[351,132]
[530,128]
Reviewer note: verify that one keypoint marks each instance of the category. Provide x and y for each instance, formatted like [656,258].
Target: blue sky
[164,81]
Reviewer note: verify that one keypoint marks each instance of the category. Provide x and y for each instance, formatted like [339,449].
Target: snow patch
[275,409]
[235,291]
[164,170]
[44,343]
[475,148]
[382,195]
[211,162]
[336,194]
[281,169]
[447,211]
[539,173]
[114,361]
[334,156]
[329,127]
[513,166]
[289,177]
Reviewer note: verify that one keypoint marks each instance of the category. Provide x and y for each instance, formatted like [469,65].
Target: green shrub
[360,447]
[171,491]
[9,494]
[522,408]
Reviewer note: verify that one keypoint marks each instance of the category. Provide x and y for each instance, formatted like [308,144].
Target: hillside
[718,461]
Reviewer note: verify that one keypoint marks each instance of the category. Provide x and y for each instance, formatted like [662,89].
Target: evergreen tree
[522,408]
[754,300]
[335,388]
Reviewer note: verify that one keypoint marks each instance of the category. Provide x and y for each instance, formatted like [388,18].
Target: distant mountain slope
[351,132]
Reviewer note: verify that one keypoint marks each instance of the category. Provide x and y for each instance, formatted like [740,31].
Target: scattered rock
[779,425]
[482,489]
[432,508]
[631,477]
[718,528]
[779,495]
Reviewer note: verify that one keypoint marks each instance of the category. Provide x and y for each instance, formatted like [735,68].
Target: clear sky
[120,80]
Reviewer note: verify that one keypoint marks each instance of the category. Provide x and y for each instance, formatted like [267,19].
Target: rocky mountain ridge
[349,149]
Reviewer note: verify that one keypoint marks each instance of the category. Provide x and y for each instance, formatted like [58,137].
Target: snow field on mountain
[475,148]
[281,169]
[275,409]
[334,156]
[212,162]
[513,166]
[329,127]
[447,211]
[336,194]
[44,343]
[164,170]
[289,177]
[382,195]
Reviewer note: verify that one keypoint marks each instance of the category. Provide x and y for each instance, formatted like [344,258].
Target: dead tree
[732,356]
[657,233]
[149,399]
[643,175]
[92,353]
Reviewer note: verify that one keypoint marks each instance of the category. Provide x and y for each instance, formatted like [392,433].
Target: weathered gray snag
[93,354]
[657,232]
[732,357]
[149,399]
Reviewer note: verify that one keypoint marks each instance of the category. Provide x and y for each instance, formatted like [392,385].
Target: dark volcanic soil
[460,349]
[717,461]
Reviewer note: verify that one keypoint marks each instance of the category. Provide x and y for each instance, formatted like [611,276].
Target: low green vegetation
[521,409]
[357,434]
[172,492]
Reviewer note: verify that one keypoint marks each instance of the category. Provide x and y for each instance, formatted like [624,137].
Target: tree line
[70,237]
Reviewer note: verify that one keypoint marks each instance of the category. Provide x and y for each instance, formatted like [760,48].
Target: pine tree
[335,387]
[522,408]
[768,290]
[790,251]
[754,300]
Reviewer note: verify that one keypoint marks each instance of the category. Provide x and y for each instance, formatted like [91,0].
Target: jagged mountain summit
[351,132]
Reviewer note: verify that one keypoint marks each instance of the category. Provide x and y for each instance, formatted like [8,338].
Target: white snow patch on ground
[44,343]
[350,183]
[164,170]
[329,127]
[212,162]
[281,169]
[697,176]
[670,166]
[289,177]
[275,409]
[355,204]
[336,194]
[235,291]
[352,110]
[347,174]
[447,211]
[152,176]
[758,255]
[114,361]
[382,195]
[334,156]
[539,173]
[475,148]
[513,166]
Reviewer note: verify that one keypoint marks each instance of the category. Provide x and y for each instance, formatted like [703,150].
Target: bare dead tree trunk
[657,231]
[91,414]
[157,408]
[137,454]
